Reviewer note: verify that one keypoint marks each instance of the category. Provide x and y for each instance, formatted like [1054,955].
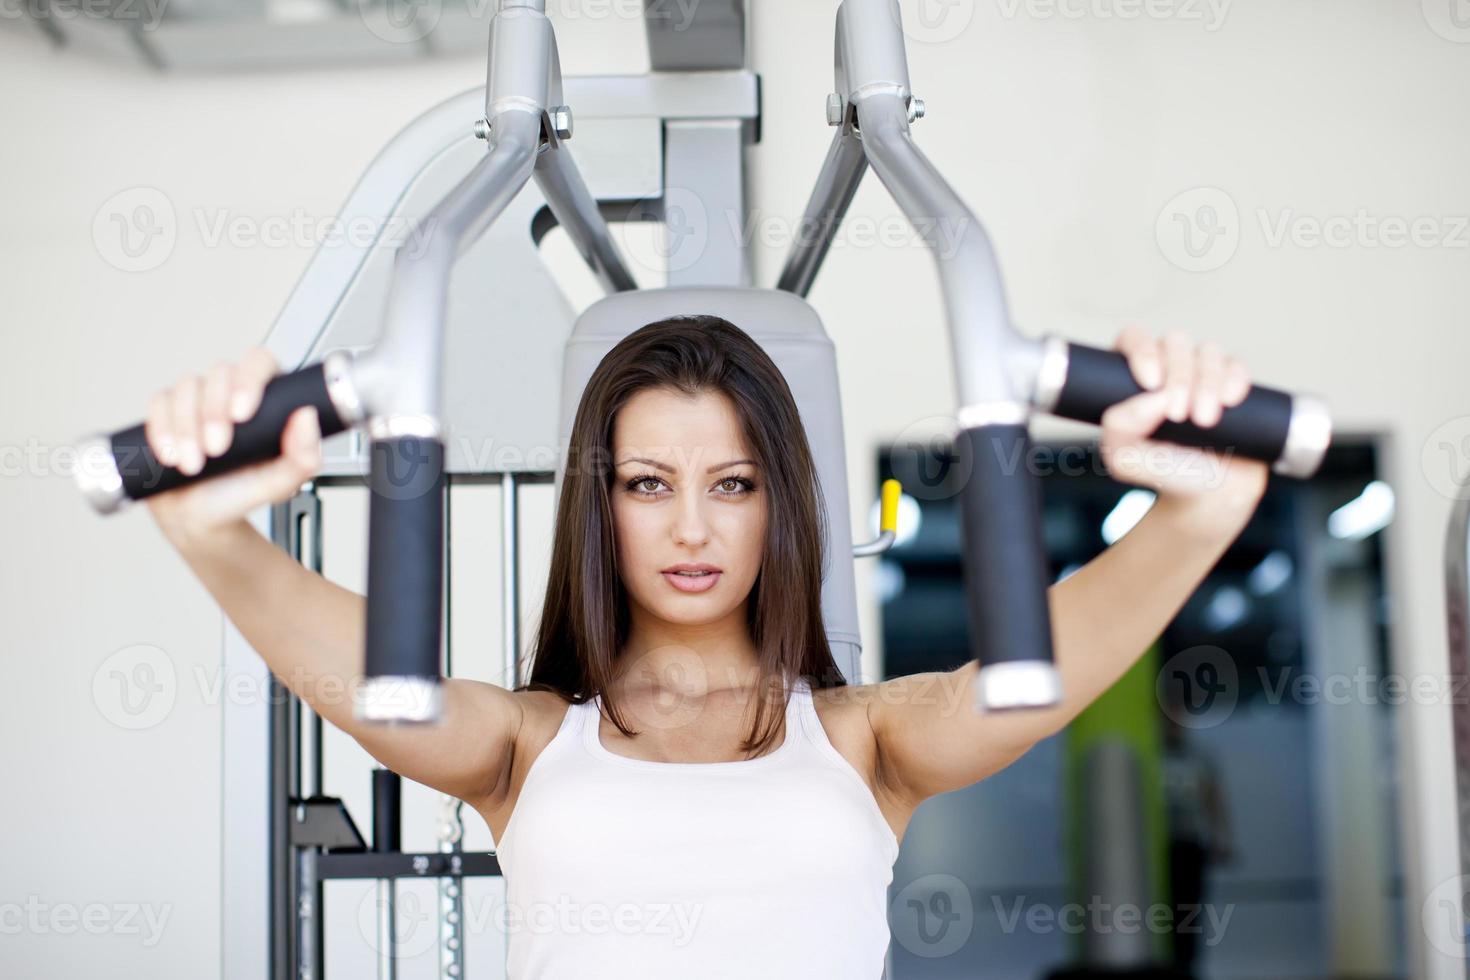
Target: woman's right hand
[196,417]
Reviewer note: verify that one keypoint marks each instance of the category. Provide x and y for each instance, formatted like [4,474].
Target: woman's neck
[687,661]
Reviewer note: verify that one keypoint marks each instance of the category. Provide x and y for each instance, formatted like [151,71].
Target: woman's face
[685,490]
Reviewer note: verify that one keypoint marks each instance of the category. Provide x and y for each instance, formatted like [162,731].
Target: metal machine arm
[1000,374]
[396,386]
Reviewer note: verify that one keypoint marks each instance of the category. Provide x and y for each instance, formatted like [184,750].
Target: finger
[1125,454]
[1179,370]
[185,416]
[302,437]
[1209,378]
[1237,382]
[214,409]
[1137,416]
[240,491]
[255,369]
[301,455]
[1131,337]
[158,428]
[230,495]
[1142,352]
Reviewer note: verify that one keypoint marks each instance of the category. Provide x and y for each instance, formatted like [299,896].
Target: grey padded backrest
[788,329]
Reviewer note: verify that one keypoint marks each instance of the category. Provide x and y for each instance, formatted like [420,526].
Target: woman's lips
[692,583]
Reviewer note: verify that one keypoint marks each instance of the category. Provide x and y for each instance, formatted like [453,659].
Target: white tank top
[772,867]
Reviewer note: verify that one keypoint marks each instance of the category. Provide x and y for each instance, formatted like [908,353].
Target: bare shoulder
[843,712]
[541,714]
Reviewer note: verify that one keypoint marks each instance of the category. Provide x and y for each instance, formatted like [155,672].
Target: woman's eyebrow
[669,469]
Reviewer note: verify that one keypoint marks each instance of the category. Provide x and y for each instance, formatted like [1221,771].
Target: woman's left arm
[1104,616]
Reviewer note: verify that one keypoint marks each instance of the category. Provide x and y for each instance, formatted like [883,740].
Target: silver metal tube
[308,926]
[576,211]
[387,934]
[1457,607]
[837,182]
[402,373]
[992,361]
[510,604]
[981,334]
[877,546]
[870,49]
[451,821]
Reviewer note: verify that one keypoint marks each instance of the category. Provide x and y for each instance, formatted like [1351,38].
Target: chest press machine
[372,338]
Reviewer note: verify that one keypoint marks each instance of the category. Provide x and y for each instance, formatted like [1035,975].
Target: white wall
[1069,135]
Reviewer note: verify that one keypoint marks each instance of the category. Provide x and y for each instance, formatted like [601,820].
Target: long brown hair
[584,620]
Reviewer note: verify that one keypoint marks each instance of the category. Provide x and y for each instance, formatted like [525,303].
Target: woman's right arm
[310,632]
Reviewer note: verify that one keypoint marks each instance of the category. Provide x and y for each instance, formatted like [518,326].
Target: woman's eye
[739,486]
[648,486]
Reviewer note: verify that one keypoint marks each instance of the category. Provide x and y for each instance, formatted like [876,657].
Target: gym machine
[1457,610]
[377,365]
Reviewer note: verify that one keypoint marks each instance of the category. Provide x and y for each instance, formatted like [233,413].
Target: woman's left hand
[1181,380]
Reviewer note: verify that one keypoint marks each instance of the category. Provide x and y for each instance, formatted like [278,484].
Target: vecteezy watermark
[415,928]
[942,234]
[408,21]
[935,21]
[1445,458]
[1210,13]
[927,455]
[401,21]
[144,15]
[1363,686]
[137,229]
[1200,230]
[1450,19]
[1445,917]
[1198,687]
[1362,229]
[932,916]
[1097,917]
[682,235]
[94,918]
[138,686]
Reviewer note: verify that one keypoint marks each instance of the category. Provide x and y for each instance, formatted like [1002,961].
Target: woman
[687,787]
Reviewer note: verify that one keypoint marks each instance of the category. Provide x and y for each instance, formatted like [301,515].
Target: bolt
[561,121]
[834,109]
[482,129]
[916,108]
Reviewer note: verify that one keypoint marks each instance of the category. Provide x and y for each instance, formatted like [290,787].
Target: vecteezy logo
[1198,687]
[1445,917]
[925,456]
[135,230]
[413,925]
[135,687]
[1199,229]
[682,239]
[932,916]
[400,21]
[1450,19]
[1445,458]
[936,21]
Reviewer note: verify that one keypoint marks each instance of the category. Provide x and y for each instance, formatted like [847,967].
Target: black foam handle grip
[255,440]
[405,555]
[1005,568]
[1098,379]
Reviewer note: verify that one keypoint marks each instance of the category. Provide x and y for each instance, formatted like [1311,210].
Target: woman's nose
[691,524]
